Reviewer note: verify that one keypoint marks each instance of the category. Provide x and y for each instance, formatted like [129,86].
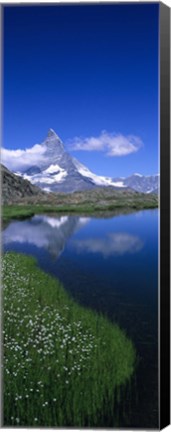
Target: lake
[109,265]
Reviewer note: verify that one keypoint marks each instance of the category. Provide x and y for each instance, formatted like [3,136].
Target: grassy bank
[21,211]
[16,212]
[62,363]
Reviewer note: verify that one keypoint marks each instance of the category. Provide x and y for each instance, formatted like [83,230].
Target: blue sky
[83,70]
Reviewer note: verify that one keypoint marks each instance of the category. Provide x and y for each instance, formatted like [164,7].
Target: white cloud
[19,159]
[111,144]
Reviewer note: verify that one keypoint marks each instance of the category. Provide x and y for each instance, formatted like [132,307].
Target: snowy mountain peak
[53,142]
[52,138]
[56,170]
[141,183]
[52,133]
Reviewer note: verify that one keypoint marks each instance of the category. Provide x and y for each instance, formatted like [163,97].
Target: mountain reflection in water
[52,234]
[110,266]
[44,232]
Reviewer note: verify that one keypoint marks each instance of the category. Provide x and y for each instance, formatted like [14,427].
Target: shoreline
[21,211]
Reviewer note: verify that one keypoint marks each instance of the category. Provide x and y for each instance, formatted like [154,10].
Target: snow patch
[118,184]
[52,169]
[18,174]
[60,176]
[98,180]
[53,222]
[41,179]
[47,176]
[149,191]
[46,189]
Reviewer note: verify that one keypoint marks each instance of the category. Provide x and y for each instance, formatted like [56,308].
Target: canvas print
[80,192]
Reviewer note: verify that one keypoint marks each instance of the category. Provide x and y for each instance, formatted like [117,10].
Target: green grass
[16,212]
[21,211]
[63,365]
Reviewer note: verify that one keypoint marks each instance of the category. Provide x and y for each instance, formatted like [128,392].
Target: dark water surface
[111,266]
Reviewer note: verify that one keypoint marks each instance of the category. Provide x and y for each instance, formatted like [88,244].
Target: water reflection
[53,233]
[112,244]
[111,266]
[44,232]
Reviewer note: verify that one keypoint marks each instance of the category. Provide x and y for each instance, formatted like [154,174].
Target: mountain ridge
[58,171]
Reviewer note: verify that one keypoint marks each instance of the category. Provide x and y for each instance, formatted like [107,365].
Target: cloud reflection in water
[52,234]
[112,244]
[42,231]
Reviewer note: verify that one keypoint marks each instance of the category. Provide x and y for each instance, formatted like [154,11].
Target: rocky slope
[15,188]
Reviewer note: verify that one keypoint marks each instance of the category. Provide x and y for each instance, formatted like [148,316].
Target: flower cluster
[36,334]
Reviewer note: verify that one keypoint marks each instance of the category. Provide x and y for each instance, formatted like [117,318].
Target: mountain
[140,183]
[15,188]
[58,171]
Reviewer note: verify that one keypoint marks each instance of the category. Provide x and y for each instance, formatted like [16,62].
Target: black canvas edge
[164,298]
